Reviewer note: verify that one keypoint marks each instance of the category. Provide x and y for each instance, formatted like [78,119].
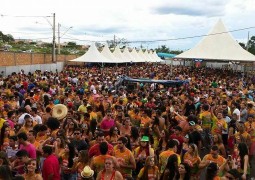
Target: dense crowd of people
[108,131]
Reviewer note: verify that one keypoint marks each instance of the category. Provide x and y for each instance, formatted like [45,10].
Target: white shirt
[37,119]
[21,118]
[237,112]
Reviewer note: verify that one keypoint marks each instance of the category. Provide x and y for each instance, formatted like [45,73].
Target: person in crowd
[163,157]
[125,158]
[240,160]
[150,170]
[25,145]
[78,142]
[212,171]
[80,163]
[31,171]
[67,162]
[51,167]
[109,172]
[171,168]
[192,158]
[107,123]
[141,152]
[95,150]
[5,172]
[183,172]
[113,136]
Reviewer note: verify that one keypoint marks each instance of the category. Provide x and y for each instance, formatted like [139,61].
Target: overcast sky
[134,20]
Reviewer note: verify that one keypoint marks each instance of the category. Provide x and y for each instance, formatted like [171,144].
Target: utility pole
[114,41]
[58,38]
[53,41]
[247,45]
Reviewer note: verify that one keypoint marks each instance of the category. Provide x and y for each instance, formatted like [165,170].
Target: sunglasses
[76,133]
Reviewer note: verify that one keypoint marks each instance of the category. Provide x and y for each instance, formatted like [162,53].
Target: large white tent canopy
[106,56]
[93,56]
[119,55]
[218,45]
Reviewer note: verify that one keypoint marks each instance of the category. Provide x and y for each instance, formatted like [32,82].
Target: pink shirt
[107,123]
[30,148]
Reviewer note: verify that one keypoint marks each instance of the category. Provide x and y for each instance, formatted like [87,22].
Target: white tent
[136,56]
[141,55]
[148,56]
[92,55]
[108,54]
[128,55]
[119,55]
[218,45]
[156,57]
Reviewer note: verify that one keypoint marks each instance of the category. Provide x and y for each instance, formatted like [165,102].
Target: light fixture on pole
[59,25]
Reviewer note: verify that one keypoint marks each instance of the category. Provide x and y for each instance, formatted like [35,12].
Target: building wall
[18,59]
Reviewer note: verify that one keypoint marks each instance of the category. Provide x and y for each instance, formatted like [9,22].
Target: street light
[61,36]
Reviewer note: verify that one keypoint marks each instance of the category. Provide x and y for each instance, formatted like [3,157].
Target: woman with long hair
[183,172]
[171,169]
[217,141]
[162,142]
[212,172]
[59,146]
[31,171]
[80,163]
[241,160]
[5,172]
[86,133]
[192,158]
[141,152]
[70,127]
[134,138]
[113,136]
[67,162]
[150,170]
[6,132]
[109,172]
[155,131]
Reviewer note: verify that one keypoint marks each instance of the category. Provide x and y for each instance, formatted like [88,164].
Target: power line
[190,37]
[4,15]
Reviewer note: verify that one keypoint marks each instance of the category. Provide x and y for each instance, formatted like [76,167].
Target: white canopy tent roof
[119,55]
[141,56]
[128,55]
[218,45]
[156,57]
[136,56]
[92,56]
[108,54]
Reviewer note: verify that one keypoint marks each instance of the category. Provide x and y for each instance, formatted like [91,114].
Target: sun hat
[59,111]
[87,172]
[145,139]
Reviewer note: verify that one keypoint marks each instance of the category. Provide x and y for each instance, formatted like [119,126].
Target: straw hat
[87,172]
[59,111]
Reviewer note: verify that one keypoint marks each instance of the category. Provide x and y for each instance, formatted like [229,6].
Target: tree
[163,49]
[242,45]
[251,45]
[118,41]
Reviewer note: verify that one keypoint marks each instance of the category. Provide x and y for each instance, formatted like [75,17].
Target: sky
[84,21]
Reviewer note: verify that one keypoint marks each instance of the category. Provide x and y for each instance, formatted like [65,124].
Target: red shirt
[51,166]
[94,150]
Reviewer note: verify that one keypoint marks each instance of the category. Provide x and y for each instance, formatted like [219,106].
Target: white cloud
[134,20]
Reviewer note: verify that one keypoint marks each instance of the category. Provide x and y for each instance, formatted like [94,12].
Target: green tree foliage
[163,49]
[251,45]
[6,38]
